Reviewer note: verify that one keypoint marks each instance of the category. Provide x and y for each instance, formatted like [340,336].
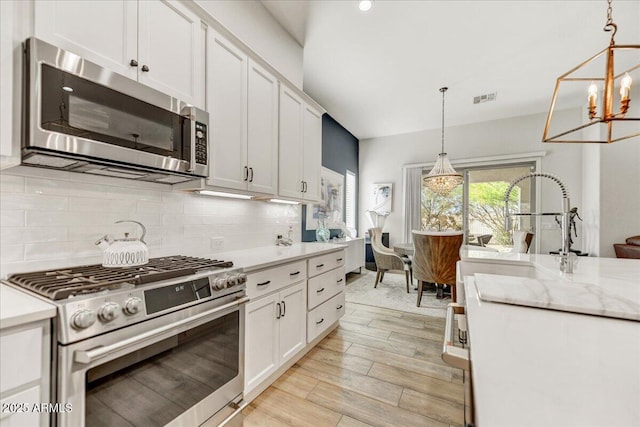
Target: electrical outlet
[217,243]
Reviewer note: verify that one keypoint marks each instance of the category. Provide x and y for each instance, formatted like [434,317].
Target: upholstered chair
[434,259]
[387,261]
[629,250]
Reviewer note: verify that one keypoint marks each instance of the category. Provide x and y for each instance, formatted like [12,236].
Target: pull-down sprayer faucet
[566,261]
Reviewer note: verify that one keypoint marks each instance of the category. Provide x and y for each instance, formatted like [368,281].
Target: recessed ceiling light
[67,88]
[365,5]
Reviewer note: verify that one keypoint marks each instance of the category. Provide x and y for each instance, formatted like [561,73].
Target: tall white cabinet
[300,147]
[159,43]
[242,99]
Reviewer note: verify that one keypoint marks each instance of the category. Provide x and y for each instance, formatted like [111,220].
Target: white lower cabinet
[24,374]
[275,331]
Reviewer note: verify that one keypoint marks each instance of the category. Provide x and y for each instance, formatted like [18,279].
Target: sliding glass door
[477,206]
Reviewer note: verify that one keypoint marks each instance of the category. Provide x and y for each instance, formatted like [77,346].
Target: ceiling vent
[485,98]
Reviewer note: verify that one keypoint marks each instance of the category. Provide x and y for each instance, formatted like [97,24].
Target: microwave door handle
[192,120]
[89,356]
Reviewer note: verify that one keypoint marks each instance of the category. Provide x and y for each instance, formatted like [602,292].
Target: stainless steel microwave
[84,118]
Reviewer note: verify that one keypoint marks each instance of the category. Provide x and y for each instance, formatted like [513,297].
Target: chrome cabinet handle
[264,283]
[320,290]
[89,356]
[133,63]
[454,356]
[305,186]
[279,315]
[145,68]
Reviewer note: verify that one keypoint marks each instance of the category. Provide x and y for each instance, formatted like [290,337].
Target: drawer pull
[339,260]
[320,321]
[284,309]
[279,315]
[294,274]
[264,283]
[339,307]
[340,280]
[319,265]
[320,290]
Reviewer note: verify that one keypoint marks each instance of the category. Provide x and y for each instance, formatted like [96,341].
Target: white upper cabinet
[158,42]
[242,99]
[300,147]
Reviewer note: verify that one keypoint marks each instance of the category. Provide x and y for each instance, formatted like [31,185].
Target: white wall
[381,160]
[250,21]
[53,218]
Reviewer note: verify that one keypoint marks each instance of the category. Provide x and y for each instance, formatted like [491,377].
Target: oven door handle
[452,355]
[89,356]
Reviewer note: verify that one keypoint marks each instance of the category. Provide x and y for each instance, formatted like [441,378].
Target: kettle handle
[144,230]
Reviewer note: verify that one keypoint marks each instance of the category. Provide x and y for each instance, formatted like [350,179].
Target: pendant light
[617,118]
[443,178]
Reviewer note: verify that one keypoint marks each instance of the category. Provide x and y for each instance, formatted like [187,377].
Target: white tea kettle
[124,252]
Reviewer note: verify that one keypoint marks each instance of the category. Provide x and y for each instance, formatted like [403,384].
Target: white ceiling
[378,73]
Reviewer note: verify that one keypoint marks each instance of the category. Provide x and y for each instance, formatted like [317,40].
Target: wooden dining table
[403,249]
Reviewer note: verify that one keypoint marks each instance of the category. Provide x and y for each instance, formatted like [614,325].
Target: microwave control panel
[201,143]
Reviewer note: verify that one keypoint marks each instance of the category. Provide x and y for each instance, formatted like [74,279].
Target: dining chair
[434,259]
[387,261]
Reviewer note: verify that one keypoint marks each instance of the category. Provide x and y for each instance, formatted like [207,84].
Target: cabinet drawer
[17,410]
[275,278]
[324,286]
[322,263]
[21,360]
[323,316]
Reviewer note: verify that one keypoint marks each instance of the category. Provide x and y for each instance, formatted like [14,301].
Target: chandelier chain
[610,25]
[443,90]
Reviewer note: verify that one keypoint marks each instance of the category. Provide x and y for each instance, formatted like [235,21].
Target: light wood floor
[380,367]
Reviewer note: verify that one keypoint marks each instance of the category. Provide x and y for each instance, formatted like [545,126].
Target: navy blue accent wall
[339,153]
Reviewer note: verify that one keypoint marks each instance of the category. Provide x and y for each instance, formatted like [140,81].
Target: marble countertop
[17,308]
[599,286]
[268,256]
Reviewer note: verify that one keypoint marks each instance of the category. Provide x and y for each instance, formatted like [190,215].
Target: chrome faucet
[567,259]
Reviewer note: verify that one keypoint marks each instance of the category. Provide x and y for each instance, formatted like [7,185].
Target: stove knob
[232,280]
[132,306]
[109,311]
[82,319]
[242,278]
[219,284]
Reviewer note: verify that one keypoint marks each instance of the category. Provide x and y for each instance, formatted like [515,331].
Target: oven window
[79,107]
[156,384]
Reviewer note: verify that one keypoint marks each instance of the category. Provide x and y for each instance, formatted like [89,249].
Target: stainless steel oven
[85,118]
[152,345]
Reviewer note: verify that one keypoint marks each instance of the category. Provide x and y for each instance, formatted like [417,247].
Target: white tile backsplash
[53,218]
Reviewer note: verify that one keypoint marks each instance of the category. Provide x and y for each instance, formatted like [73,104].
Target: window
[477,206]
[350,200]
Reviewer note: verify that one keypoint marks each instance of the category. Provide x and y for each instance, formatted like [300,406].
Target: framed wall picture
[331,206]
[381,197]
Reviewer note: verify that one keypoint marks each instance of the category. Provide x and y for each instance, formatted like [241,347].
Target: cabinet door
[227,105]
[290,144]
[312,155]
[293,328]
[171,47]
[262,130]
[102,31]
[261,340]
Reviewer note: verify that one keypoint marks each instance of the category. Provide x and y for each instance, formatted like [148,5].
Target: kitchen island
[540,357]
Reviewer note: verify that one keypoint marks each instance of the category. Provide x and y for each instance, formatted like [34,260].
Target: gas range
[93,299]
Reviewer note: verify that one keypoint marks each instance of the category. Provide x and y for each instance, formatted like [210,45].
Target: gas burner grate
[67,282]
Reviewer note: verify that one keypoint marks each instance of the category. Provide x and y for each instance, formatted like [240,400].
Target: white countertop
[566,368]
[268,256]
[17,308]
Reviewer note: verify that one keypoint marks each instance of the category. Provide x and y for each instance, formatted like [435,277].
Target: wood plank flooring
[380,367]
